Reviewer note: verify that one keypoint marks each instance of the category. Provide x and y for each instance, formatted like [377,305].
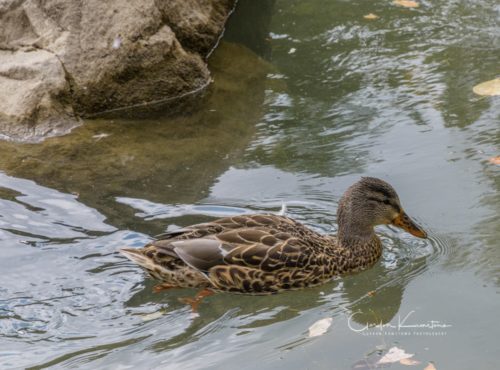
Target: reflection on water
[336,97]
[44,212]
[172,159]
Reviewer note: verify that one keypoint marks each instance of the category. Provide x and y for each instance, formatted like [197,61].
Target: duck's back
[256,254]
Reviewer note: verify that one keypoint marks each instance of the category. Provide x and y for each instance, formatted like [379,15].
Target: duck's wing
[275,223]
[256,254]
[264,249]
[250,260]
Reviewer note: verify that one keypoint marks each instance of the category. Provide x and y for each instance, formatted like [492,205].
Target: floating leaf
[292,50]
[320,327]
[371,293]
[100,136]
[409,362]
[488,88]
[394,354]
[495,160]
[407,3]
[430,366]
[152,316]
[371,16]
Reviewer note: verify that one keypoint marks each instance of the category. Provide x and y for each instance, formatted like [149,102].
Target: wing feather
[266,242]
[201,254]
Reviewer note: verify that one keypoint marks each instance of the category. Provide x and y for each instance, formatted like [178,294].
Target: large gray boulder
[61,59]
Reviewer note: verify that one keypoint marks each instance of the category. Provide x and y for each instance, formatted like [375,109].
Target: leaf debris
[406,3]
[488,88]
[409,362]
[394,354]
[495,160]
[320,327]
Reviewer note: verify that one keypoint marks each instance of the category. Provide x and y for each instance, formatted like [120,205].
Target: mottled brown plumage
[267,253]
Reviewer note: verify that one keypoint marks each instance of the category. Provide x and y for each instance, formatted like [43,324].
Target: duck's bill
[406,223]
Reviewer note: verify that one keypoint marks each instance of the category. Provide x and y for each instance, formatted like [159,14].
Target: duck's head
[371,202]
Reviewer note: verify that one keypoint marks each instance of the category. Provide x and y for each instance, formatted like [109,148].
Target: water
[324,98]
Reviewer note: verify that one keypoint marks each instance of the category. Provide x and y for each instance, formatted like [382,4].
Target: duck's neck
[355,231]
[356,237]
[352,235]
[360,246]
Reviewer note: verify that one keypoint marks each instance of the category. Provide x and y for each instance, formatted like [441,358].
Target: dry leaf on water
[495,160]
[394,354]
[409,362]
[152,316]
[371,293]
[488,88]
[100,136]
[407,3]
[430,366]
[371,16]
[320,327]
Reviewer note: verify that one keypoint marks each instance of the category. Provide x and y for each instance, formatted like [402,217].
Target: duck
[269,253]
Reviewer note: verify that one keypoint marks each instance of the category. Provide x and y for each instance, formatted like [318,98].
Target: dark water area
[308,96]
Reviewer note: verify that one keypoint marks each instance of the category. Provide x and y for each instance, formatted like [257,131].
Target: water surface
[307,97]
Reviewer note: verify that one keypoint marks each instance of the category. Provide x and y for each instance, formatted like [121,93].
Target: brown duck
[268,253]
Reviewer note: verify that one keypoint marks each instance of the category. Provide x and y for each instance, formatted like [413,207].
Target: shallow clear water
[324,98]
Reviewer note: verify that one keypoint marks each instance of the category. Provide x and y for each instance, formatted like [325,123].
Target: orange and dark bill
[406,223]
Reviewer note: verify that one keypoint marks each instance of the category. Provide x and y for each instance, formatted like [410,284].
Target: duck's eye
[386,201]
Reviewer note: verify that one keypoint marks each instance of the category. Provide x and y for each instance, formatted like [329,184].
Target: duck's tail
[138,256]
[179,275]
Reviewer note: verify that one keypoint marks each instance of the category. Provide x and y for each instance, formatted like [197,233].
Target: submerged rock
[60,59]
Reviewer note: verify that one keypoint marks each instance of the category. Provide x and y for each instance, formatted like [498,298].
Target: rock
[195,22]
[61,59]
[33,90]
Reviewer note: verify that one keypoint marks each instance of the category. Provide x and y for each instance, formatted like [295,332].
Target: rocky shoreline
[65,59]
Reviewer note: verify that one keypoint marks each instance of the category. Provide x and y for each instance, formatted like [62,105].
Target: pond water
[307,97]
